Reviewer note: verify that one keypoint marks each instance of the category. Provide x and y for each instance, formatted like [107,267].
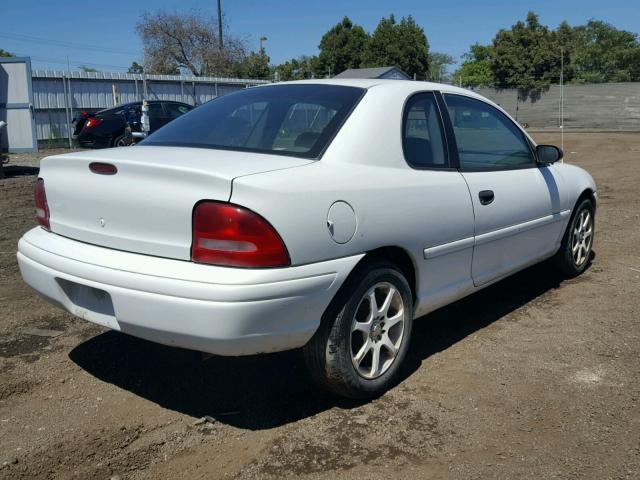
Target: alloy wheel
[582,237]
[377,330]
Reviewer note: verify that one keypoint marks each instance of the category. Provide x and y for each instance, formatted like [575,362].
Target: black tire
[120,141]
[564,259]
[328,354]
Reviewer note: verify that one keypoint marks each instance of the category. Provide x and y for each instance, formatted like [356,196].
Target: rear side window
[422,136]
[174,110]
[155,110]
[295,120]
[487,139]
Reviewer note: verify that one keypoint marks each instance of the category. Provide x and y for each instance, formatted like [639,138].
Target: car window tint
[155,110]
[175,109]
[294,119]
[422,137]
[302,126]
[486,138]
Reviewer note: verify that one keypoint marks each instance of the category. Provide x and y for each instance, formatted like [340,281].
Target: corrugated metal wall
[94,90]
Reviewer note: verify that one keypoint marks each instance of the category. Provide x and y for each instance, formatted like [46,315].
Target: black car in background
[106,128]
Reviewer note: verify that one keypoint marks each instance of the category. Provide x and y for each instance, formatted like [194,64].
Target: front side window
[295,120]
[487,139]
[422,138]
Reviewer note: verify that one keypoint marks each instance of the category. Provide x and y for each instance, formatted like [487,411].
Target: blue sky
[49,31]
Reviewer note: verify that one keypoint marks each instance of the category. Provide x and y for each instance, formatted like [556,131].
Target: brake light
[230,235]
[42,207]
[92,122]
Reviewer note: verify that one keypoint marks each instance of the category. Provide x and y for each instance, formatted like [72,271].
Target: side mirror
[548,154]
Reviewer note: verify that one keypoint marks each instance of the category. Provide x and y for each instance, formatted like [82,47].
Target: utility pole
[220,24]
[262,40]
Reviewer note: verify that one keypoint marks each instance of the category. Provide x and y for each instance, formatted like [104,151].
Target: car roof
[378,83]
[404,87]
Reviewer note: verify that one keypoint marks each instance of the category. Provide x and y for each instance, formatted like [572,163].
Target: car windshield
[295,120]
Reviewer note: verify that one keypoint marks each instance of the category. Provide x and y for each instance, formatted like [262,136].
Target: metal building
[392,73]
[16,106]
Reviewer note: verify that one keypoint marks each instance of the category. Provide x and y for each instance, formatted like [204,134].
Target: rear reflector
[230,235]
[103,168]
[42,207]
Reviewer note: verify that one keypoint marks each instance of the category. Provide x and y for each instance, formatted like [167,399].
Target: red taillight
[92,122]
[230,235]
[42,208]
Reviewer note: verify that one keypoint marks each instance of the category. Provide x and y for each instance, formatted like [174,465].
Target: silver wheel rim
[377,330]
[581,238]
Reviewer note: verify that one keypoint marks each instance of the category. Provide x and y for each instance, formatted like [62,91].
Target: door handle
[486,197]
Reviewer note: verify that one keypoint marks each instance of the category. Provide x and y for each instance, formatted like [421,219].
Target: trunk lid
[79,121]
[146,207]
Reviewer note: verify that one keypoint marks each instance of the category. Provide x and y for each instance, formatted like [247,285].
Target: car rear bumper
[225,311]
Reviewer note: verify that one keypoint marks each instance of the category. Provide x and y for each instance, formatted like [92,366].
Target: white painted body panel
[524,222]
[146,207]
[226,311]
[455,244]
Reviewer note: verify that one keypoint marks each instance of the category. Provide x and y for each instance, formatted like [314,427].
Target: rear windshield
[119,109]
[295,120]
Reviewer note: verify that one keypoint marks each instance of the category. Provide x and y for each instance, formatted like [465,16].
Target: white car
[325,214]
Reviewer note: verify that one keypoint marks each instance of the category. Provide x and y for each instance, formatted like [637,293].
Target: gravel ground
[534,377]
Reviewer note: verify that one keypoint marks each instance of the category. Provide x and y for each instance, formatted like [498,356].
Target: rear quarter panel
[394,204]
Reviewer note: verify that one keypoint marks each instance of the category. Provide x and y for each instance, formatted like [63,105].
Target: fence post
[66,108]
[70,105]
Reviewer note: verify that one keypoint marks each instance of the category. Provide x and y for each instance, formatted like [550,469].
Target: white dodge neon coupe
[323,214]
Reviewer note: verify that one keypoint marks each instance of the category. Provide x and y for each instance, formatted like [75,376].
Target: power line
[76,63]
[61,43]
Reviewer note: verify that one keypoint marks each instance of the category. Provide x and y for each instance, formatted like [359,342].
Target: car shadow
[11,171]
[265,391]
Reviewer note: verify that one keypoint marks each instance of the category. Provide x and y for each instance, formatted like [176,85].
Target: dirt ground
[535,377]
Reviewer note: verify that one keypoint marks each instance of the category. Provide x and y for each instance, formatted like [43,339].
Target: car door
[157,116]
[516,203]
[444,229]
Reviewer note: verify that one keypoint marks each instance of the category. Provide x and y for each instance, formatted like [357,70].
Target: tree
[135,68]
[403,45]
[256,65]
[438,63]
[602,53]
[297,69]
[4,53]
[174,41]
[342,47]
[475,70]
[86,68]
[526,57]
